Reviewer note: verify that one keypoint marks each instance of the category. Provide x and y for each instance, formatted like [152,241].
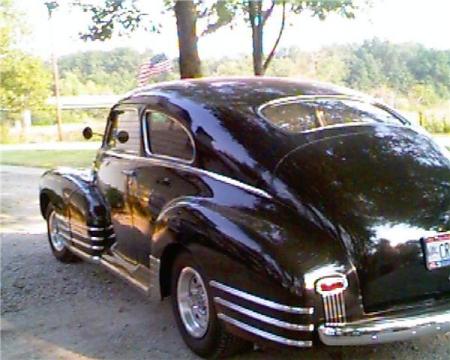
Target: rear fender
[267,251]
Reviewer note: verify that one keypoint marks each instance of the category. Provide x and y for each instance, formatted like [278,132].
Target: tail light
[332,289]
[331,285]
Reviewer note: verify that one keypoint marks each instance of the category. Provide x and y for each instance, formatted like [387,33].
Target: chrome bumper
[386,329]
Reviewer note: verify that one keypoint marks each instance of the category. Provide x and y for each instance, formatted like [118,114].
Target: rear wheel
[195,314]
[56,239]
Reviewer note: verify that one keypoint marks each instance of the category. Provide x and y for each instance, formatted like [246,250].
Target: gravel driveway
[54,311]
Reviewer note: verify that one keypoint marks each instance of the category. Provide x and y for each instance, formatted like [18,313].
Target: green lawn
[48,158]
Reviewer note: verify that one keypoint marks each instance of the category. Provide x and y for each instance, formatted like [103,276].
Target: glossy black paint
[270,212]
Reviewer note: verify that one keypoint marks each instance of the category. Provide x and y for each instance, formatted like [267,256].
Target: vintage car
[271,211]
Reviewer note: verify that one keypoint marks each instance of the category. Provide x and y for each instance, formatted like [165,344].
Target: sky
[421,21]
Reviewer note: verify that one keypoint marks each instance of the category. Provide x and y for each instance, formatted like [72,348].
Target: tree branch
[274,48]
[267,13]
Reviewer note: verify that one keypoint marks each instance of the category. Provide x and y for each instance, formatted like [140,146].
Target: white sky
[423,21]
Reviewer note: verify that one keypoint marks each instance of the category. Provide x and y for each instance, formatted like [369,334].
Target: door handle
[163,181]
[130,173]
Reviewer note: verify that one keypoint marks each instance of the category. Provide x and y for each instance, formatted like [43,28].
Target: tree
[189,60]
[123,16]
[24,80]
[257,15]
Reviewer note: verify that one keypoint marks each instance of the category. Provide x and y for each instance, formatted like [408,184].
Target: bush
[436,125]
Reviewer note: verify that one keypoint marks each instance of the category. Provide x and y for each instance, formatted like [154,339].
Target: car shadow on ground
[81,311]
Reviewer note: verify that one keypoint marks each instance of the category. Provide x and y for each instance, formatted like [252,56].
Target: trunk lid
[386,188]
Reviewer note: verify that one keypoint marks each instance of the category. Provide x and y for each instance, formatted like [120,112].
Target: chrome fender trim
[264,334]
[261,301]
[263,318]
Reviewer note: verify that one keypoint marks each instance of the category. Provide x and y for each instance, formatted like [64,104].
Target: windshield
[307,114]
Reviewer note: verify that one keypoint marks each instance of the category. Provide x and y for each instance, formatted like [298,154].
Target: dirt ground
[54,311]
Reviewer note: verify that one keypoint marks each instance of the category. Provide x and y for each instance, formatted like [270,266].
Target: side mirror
[122,136]
[87,133]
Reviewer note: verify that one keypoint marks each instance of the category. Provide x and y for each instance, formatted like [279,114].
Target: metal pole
[51,6]
[57,96]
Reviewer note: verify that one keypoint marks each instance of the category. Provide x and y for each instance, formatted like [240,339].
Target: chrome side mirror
[87,133]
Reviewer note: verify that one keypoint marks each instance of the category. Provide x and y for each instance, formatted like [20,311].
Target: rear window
[307,114]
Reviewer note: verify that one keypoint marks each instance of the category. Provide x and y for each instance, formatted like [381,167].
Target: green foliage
[24,82]
[114,16]
[24,79]
[99,72]
[254,12]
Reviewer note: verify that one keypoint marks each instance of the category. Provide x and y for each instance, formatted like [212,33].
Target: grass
[47,158]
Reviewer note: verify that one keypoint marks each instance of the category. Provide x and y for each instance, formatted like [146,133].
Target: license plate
[437,251]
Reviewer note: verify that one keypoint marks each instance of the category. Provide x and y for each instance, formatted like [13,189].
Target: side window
[126,120]
[168,138]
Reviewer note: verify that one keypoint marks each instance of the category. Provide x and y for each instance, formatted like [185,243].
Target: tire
[212,341]
[59,250]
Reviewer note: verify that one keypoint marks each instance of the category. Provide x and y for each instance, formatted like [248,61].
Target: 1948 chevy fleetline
[270,211]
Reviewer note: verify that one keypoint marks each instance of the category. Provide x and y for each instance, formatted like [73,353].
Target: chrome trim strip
[108,266]
[385,330]
[90,228]
[263,318]
[83,255]
[261,301]
[343,310]
[87,237]
[117,271]
[155,285]
[191,169]
[264,334]
[87,246]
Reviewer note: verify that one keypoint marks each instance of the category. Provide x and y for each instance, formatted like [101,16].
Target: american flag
[158,64]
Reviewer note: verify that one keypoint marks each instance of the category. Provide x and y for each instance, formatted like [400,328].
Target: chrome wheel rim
[56,237]
[192,300]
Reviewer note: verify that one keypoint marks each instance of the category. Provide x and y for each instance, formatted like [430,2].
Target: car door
[116,165]
[166,173]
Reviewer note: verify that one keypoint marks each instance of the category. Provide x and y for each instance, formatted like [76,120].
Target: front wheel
[195,314]
[56,239]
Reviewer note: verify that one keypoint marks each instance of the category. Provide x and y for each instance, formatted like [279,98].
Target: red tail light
[331,285]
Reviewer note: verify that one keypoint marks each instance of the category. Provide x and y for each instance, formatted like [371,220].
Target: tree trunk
[189,60]
[255,14]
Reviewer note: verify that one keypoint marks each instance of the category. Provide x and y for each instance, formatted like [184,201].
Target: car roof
[238,92]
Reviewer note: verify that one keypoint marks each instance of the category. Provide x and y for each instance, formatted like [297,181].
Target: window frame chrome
[293,99]
[147,140]
[108,130]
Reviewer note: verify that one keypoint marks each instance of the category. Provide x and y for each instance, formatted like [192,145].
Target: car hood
[383,188]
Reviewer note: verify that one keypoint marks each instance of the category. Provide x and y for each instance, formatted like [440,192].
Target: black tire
[64,255]
[216,342]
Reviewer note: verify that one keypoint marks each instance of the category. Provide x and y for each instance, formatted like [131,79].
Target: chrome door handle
[130,173]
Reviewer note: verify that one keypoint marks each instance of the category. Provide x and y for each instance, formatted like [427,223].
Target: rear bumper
[387,329]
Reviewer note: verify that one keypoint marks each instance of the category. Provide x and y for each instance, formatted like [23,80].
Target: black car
[272,211]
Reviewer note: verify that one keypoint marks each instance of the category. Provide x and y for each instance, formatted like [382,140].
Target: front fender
[73,193]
